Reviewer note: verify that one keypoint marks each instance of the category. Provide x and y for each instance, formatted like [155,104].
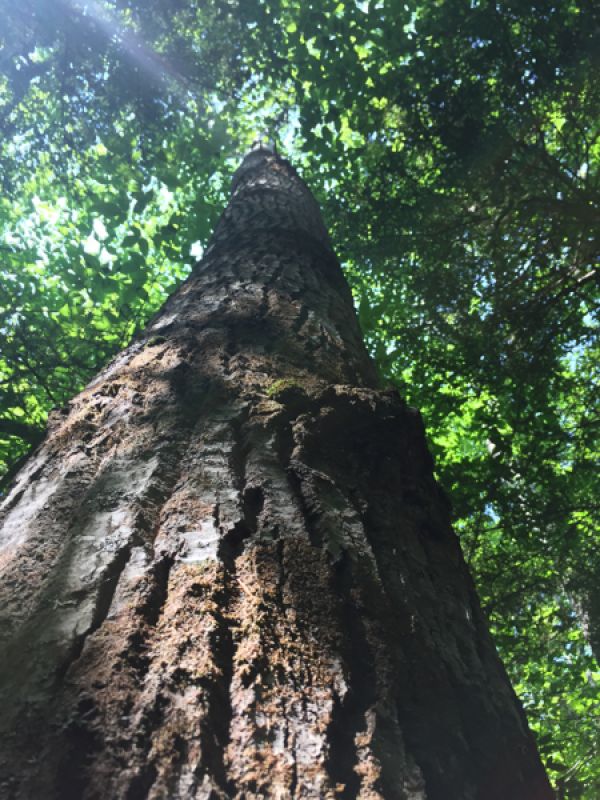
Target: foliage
[454,146]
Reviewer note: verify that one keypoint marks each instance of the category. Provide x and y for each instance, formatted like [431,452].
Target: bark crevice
[348,718]
[104,597]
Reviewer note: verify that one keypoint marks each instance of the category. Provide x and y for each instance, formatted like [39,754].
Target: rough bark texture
[228,571]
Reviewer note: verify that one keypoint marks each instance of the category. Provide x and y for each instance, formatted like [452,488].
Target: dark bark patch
[348,716]
[142,783]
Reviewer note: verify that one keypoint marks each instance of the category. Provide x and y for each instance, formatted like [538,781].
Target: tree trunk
[228,571]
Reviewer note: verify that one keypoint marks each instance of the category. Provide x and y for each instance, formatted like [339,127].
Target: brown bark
[228,571]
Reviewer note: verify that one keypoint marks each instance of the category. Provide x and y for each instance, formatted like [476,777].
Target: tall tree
[228,571]
[454,149]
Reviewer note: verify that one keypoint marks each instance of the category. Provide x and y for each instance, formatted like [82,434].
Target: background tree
[454,149]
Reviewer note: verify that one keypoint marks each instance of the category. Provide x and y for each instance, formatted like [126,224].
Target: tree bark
[228,571]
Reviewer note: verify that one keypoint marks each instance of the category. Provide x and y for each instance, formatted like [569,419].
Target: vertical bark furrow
[349,716]
[107,588]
